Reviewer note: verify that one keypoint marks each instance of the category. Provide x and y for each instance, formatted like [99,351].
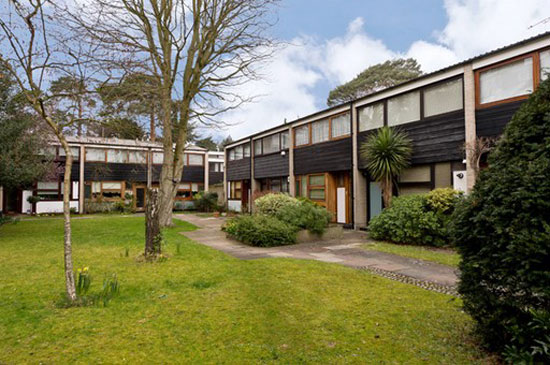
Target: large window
[316,187]
[117,156]
[443,98]
[371,117]
[320,131]
[49,191]
[105,190]
[276,185]
[137,157]
[95,154]
[544,64]
[231,154]
[75,151]
[195,160]
[216,166]
[239,152]
[301,135]
[158,158]
[340,126]
[186,191]
[246,150]
[507,81]
[404,108]
[235,190]
[271,143]
[284,140]
[257,147]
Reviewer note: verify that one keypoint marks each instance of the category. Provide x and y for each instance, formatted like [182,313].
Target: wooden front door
[139,197]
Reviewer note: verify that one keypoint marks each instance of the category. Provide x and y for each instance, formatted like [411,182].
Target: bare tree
[32,54]
[476,150]
[197,50]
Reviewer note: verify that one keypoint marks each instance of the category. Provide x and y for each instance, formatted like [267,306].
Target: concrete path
[344,251]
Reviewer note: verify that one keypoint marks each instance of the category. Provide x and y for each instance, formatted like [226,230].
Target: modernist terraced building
[107,170]
[318,155]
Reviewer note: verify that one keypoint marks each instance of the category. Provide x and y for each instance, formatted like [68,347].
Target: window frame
[122,190]
[242,147]
[317,187]
[330,137]
[233,189]
[187,160]
[420,92]
[423,90]
[546,49]
[535,57]
[95,148]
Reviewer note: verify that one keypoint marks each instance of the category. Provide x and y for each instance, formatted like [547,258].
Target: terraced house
[318,155]
[109,170]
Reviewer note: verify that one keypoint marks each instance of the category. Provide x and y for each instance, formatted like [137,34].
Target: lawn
[441,256]
[204,306]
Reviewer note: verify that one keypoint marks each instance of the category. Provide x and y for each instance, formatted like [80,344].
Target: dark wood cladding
[273,165]
[100,171]
[323,157]
[362,138]
[215,177]
[435,139]
[238,169]
[490,122]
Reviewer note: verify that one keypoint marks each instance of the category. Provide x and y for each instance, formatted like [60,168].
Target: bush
[206,201]
[502,232]
[409,221]
[305,215]
[271,204]
[260,230]
[443,200]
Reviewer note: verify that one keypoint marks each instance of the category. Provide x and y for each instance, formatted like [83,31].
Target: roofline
[419,78]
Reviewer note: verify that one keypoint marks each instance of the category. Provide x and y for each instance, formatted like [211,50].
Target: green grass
[204,306]
[441,256]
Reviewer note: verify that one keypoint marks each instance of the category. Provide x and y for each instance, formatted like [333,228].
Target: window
[95,154]
[117,156]
[184,192]
[107,190]
[319,131]
[158,158]
[301,135]
[404,108]
[49,191]
[340,126]
[235,190]
[371,117]
[216,167]
[506,81]
[316,187]
[195,160]
[544,64]
[271,143]
[278,185]
[137,157]
[238,152]
[75,151]
[258,147]
[443,98]
[231,154]
[284,140]
[246,150]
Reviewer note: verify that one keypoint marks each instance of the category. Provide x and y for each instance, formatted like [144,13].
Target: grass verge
[447,257]
[204,306]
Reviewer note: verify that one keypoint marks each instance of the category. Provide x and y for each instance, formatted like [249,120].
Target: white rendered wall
[234,205]
[26,206]
[53,207]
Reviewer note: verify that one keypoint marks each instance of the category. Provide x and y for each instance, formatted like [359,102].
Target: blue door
[375,199]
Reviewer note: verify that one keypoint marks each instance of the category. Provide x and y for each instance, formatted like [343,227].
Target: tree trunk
[67,247]
[387,191]
[152,126]
[153,236]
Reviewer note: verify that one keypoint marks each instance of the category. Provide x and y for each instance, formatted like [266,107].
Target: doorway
[12,201]
[375,200]
[139,194]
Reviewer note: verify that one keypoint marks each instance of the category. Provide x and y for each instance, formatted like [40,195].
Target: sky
[328,42]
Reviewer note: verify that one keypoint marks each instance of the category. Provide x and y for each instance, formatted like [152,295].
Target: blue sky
[331,41]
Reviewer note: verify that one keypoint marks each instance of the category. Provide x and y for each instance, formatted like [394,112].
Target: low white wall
[53,207]
[27,207]
[234,205]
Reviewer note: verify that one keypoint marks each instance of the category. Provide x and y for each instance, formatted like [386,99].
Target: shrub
[206,201]
[502,231]
[260,230]
[409,221]
[270,204]
[305,215]
[443,200]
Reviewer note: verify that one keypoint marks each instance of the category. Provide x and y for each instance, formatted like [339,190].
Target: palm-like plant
[387,153]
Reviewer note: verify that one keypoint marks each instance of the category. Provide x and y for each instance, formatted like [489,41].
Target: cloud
[296,74]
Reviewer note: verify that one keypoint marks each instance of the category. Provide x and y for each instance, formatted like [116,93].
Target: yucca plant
[388,153]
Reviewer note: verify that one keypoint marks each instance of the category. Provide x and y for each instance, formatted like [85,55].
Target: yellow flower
[86,268]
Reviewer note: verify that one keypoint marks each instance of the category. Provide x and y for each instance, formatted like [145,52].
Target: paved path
[343,251]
